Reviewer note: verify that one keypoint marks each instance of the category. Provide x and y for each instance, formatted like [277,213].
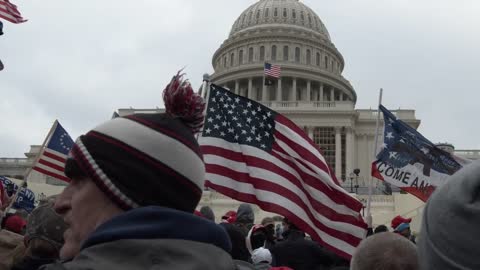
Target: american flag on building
[53,157]
[255,155]
[9,12]
[272,70]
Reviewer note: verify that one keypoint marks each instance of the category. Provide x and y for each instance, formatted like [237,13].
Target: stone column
[310,132]
[279,90]
[309,91]
[332,94]
[350,151]
[237,87]
[338,152]
[293,96]
[250,88]
[264,91]
[321,92]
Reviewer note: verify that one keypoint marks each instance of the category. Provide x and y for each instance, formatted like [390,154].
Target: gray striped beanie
[147,159]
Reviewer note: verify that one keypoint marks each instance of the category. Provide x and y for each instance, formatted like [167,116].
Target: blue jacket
[154,237]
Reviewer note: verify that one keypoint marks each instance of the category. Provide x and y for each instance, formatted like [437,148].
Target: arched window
[266,12]
[262,53]
[275,12]
[309,20]
[240,57]
[318,59]
[294,14]
[285,12]
[250,55]
[274,53]
[302,16]
[258,14]
[224,61]
[297,54]
[232,59]
[326,62]
[285,53]
[309,57]
[250,16]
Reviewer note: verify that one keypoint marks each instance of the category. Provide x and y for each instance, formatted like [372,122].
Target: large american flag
[52,159]
[272,70]
[9,12]
[255,155]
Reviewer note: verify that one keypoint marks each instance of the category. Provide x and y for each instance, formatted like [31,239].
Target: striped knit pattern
[144,159]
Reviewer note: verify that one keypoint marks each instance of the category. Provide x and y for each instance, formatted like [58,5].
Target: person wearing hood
[451,218]
[207,213]
[299,253]
[135,183]
[245,217]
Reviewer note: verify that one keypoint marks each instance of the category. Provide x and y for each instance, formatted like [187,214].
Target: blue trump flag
[410,161]
[26,198]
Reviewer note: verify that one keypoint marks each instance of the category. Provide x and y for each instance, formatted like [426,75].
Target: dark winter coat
[300,254]
[153,238]
[237,237]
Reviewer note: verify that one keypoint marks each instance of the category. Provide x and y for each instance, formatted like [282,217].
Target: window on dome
[243,19]
[274,53]
[240,57]
[224,61]
[250,55]
[331,65]
[266,12]
[302,16]
[294,14]
[250,16]
[232,59]
[285,53]
[262,53]
[297,54]
[258,14]
[326,62]
[275,12]
[318,59]
[285,12]
[309,57]
[309,20]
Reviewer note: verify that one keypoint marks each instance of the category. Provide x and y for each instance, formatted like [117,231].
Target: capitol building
[311,91]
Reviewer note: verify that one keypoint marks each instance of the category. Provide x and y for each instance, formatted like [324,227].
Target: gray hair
[385,251]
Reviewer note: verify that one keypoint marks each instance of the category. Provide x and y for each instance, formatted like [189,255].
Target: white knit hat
[261,255]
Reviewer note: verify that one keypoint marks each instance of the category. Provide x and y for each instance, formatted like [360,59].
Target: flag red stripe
[53,156]
[52,165]
[9,17]
[10,7]
[261,184]
[288,123]
[263,164]
[60,177]
[336,197]
[274,208]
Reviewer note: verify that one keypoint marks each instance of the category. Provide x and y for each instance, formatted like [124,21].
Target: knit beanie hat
[147,159]
[451,221]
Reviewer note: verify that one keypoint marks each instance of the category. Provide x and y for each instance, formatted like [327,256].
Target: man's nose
[62,202]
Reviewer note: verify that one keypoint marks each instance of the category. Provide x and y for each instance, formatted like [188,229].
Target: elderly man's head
[385,251]
[134,161]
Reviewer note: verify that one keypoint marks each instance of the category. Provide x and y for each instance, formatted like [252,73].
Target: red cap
[197,213]
[15,224]
[399,220]
[230,216]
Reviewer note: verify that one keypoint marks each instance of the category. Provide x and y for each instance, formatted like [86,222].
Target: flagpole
[204,93]
[24,184]
[370,188]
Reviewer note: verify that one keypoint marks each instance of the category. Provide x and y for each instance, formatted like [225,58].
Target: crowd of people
[136,182]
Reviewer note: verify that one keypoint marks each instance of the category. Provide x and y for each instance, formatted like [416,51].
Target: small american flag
[52,159]
[9,12]
[272,70]
[256,155]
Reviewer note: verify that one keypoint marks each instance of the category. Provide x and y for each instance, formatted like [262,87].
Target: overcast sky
[78,61]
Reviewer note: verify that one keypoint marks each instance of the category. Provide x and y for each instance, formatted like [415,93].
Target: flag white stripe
[279,180]
[255,152]
[325,177]
[49,169]
[273,198]
[136,135]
